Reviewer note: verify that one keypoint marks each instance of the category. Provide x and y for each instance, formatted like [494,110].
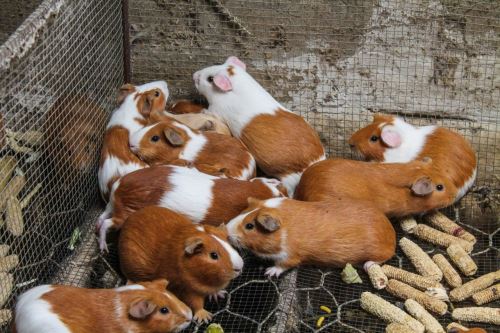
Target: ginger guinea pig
[390,139]
[170,142]
[147,307]
[184,106]
[200,197]
[283,143]
[293,233]
[159,243]
[397,189]
[196,121]
[137,103]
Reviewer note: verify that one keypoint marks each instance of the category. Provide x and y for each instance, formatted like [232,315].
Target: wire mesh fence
[58,75]
[334,62]
[337,63]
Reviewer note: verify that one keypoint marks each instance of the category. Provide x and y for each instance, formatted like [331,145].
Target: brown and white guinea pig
[170,142]
[137,102]
[197,121]
[470,330]
[293,233]
[283,143]
[185,106]
[390,139]
[159,243]
[147,307]
[200,197]
[397,189]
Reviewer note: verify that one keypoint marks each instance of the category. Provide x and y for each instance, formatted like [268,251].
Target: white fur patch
[248,172]
[271,184]
[273,203]
[191,193]
[467,185]
[35,315]
[239,106]
[194,145]
[130,287]
[136,137]
[232,226]
[291,180]
[236,259]
[162,85]
[200,228]
[113,167]
[412,141]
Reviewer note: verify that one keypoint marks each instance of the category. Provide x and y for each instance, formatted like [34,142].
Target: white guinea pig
[146,307]
[392,140]
[283,143]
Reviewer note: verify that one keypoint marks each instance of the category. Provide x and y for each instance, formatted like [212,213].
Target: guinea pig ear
[390,137]
[222,227]
[193,245]
[208,125]
[124,91]
[268,222]
[173,137]
[142,308]
[222,82]
[160,284]
[237,62]
[422,187]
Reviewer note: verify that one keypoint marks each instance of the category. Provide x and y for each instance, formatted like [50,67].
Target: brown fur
[152,245]
[72,137]
[94,310]
[184,106]
[196,121]
[451,154]
[388,186]
[330,233]
[116,144]
[145,187]
[150,101]
[230,70]
[221,155]
[282,144]
[470,330]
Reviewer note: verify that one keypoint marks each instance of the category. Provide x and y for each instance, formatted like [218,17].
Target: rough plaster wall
[12,14]
[337,63]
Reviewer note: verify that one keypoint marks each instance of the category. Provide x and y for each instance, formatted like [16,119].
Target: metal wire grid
[54,104]
[336,63]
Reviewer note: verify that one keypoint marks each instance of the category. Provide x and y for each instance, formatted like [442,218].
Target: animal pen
[336,63]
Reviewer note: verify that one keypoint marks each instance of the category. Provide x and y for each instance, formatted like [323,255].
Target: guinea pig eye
[157,93]
[210,79]
[374,138]
[249,226]
[164,310]
[214,255]
[439,187]
[155,138]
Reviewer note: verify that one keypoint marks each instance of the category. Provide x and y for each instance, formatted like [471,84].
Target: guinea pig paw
[221,294]
[202,316]
[103,246]
[274,271]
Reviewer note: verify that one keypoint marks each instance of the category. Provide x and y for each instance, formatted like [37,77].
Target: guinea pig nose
[351,145]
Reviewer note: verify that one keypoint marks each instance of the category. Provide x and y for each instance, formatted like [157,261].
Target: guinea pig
[170,142]
[71,141]
[293,233]
[470,330]
[196,121]
[137,102]
[184,106]
[397,189]
[159,243]
[146,307]
[283,143]
[390,139]
[200,197]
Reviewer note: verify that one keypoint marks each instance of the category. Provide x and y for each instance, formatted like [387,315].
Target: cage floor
[255,303]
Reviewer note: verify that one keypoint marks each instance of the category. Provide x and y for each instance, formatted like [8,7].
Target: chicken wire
[333,62]
[59,73]
[337,63]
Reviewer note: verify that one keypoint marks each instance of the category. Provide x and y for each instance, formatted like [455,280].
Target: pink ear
[222,82]
[237,62]
[391,137]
